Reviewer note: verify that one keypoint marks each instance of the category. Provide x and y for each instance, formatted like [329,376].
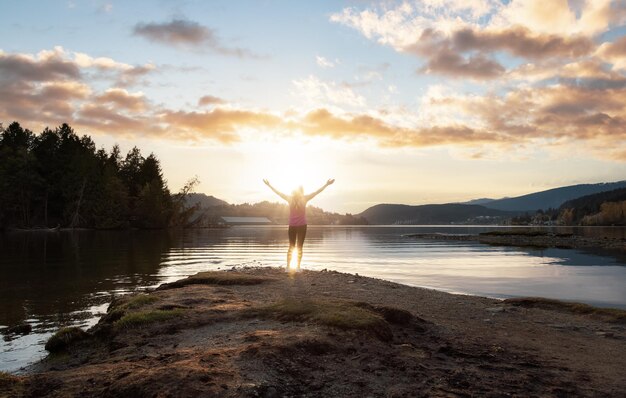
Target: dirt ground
[261,332]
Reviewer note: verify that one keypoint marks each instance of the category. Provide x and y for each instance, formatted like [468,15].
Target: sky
[413,102]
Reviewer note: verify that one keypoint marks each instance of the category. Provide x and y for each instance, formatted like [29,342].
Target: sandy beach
[261,332]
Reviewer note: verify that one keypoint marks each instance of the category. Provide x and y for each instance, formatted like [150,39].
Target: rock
[24,328]
[495,310]
[605,334]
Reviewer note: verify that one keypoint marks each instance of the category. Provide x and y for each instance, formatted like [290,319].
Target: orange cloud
[586,106]
[22,67]
[220,124]
[323,123]
[210,100]
[123,99]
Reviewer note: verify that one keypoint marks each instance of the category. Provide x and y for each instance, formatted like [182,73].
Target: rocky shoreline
[531,239]
[262,332]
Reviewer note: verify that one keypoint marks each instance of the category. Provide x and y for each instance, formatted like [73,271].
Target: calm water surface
[51,280]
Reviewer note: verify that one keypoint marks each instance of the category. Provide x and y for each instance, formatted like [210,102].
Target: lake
[50,280]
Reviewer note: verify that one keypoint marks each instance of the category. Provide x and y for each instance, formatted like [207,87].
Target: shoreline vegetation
[531,238]
[261,332]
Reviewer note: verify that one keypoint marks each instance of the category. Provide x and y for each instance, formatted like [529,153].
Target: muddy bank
[538,239]
[260,332]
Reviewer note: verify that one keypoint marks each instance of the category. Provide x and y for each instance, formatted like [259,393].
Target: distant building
[246,220]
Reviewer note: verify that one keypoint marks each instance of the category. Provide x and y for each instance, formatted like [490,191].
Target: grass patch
[216,278]
[139,301]
[7,379]
[521,232]
[10,385]
[65,337]
[609,314]
[144,318]
[342,315]
[131,302]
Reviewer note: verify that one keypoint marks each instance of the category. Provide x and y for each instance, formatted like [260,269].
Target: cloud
[317,91]
[188,34]
[322,122]
[210,100]
[614,52]
[465,38]
[577,103]
[451,63]
[123,99]
[323,62]
[45,66]
[522,43]
[220,124]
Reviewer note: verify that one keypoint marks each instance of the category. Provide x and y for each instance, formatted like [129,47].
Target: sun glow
[290,164]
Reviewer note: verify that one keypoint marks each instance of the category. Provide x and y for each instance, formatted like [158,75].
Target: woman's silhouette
[297,217]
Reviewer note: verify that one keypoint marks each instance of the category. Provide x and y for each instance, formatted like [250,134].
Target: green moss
[609,314]
[339,314]
[216,278]
[143,318]
[65,337]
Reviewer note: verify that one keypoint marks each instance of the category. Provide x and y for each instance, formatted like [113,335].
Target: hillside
[203,200]
[605,208]
[552,198]
[451,213]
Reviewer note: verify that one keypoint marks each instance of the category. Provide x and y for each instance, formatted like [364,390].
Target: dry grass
[10,385]
[216,278]
[339,314]
[8,379]
[609,314]
[65,337]
[144,318]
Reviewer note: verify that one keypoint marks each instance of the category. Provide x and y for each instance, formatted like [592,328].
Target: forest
[604,208]
[58,178]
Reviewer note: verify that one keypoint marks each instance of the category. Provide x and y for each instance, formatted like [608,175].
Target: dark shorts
[297,235]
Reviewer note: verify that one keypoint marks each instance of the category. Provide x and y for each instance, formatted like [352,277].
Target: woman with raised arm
[297,217]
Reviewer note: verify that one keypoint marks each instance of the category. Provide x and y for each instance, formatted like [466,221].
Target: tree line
[604,208]
[601,209]
[58,178]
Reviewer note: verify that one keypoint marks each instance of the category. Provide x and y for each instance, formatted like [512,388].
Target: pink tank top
[297,215]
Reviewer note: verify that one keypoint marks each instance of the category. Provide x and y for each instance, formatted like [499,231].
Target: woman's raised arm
[276,191]
[314,194]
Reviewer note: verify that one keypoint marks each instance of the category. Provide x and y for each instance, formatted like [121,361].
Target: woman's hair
[297,198]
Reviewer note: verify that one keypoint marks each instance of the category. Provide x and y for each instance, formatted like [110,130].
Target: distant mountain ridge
[449,213]
[479,201]
[552,198]
[204,200]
